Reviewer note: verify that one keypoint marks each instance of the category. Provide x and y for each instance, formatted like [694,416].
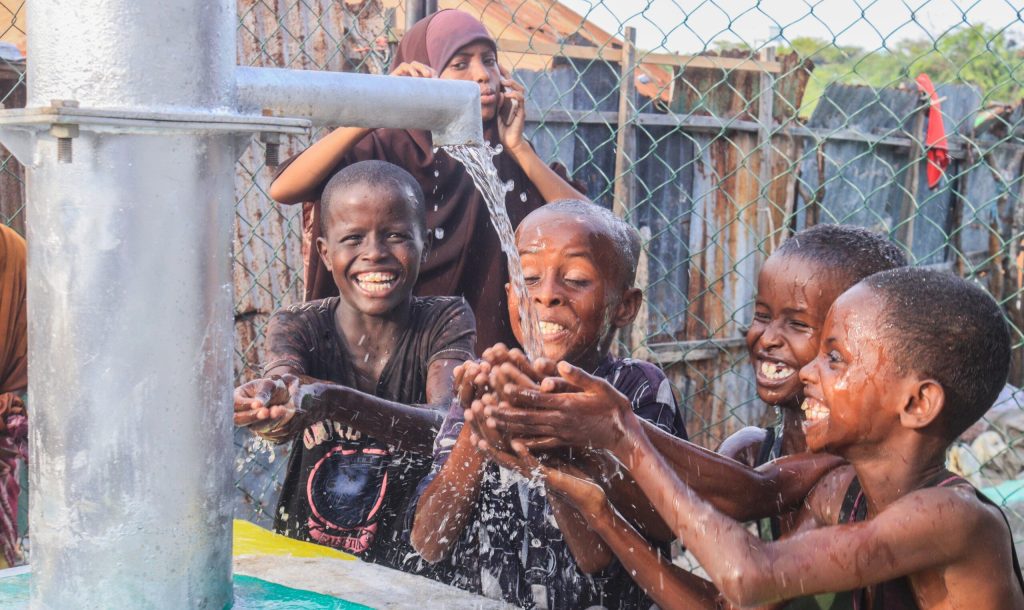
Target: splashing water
[477,160]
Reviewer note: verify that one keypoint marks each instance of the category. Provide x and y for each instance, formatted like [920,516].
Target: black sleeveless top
[897,594]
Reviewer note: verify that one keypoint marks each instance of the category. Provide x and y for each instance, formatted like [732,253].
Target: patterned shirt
[513,548]
[344,489]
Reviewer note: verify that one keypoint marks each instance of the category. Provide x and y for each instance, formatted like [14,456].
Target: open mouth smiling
[815,412]
[376,282]
[772,372]
[549,329]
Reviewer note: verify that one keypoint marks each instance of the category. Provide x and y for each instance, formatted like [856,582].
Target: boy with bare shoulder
[909,358]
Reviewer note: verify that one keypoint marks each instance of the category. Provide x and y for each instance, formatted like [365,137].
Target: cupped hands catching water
[566,405]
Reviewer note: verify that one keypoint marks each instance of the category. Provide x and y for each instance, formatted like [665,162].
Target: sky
[689,25]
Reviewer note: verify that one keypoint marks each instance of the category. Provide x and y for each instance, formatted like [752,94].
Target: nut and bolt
[272,145]
[64,132]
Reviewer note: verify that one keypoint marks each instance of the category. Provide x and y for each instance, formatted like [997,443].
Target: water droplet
[436,173]
[523,197]
[435,207]
[439,233]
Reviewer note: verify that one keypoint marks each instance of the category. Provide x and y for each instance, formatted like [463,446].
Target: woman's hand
[414,68]
[511,113]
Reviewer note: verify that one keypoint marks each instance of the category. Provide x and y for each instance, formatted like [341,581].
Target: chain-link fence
[718,128]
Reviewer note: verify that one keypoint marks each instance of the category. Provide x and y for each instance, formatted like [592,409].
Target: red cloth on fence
[937,149]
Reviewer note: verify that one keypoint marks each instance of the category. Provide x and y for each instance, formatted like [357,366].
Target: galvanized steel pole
[129,139]
[130,294]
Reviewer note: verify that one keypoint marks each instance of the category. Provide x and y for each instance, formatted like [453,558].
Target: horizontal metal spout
[449,109]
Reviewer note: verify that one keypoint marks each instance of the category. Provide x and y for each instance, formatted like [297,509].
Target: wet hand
[578,409]
[414,68]
[513,366]
[266,405]
[471,381]
[484,436]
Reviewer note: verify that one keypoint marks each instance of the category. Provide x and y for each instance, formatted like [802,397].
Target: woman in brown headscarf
[464,257]
[13,383]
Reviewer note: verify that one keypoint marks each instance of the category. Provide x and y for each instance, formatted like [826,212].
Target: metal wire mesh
[718,130]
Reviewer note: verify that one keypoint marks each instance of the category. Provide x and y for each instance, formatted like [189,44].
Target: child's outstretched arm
[911,535]
[562,410]
[300,179]
[447,502]
[278,407]
[670,586]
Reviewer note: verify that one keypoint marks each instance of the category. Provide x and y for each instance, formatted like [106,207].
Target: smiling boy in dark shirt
[360,382]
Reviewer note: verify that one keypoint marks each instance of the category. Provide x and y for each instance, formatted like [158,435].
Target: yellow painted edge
[251,539]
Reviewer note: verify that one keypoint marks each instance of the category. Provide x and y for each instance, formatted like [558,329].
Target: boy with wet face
[796,286]
[909,358]
[532,549]
[360,382]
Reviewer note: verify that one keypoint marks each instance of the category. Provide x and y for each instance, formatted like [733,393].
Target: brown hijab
[13,323]
[464,257]
[13,342]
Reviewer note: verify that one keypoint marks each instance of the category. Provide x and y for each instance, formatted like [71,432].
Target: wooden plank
[624,197]
[611,54]
[765,112]
[711,124]
[908,210]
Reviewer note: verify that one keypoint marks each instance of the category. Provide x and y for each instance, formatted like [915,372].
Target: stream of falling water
[477,160]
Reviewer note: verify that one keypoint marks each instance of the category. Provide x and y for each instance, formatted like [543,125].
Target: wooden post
[765,109]
[908,211]
[625,139]
[637,337]
[624,195]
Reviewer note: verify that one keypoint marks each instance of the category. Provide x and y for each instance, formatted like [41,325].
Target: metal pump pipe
[129,139]
[449,109]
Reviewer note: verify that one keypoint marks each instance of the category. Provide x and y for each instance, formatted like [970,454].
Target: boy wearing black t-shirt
[360,382]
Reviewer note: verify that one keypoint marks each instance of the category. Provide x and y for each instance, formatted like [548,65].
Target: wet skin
[884,417]
[793,298]
[575,281]
[373,248]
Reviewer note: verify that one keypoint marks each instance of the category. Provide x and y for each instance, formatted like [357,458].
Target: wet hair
[848,253]
[381,175]
[623,235]
[950,330]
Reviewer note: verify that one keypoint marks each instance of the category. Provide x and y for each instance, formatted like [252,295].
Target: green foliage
[977,55]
